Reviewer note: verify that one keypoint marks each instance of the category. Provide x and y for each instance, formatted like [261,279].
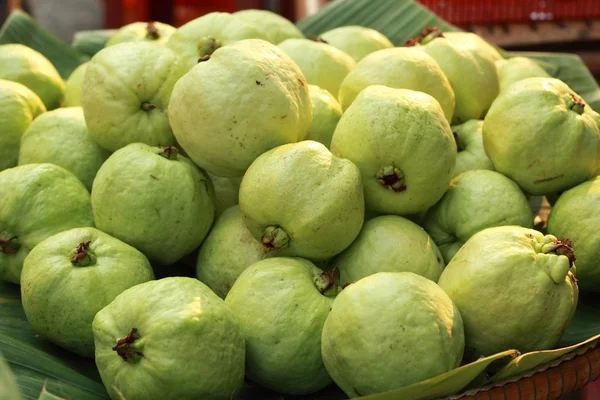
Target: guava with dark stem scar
[153,32]
[9,246]
[125,349]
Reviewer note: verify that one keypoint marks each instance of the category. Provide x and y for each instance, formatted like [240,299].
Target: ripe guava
[224,131]
[469,142]
[516,69]
[125,94]
[169,339]
[61,137]
[542,135]
[576,215]
[69,277]
[476,42]
[403,146]
[326,114]
[390,330]
[301,199]
[19,106]
[227,192]
[475,200]
[152,32]
[322,64]
[154,199]
[37,201]
[420,72]
[282,304]
[514,288]
[74,85]
[356,41]
[276,27]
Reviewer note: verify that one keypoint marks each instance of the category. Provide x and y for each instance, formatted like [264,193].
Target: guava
[326,113]
[390,330]
[302,200]
[74,85]
[171,338]
[282,304]
[356,41]
[576,215]
[153,32]
[22,64]
[154,199]
[276,27]
[198,39]
[37,201]
[542,135]
[322,64]
[19,106]
[403,146]
[469,142]
[390,244]
[69,277]
[227,192]
[476,42]
[516,69]
[247,98]
[475,200]
[61,137]
[125,94]
[515,289]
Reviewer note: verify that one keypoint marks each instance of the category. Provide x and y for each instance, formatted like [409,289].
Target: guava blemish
[204,58]
[357,392]
[154,177]
[548,179]
[83,255]
[152,32]
[274,238]
[284,116]
[391,178]
[575,103]
[169,152]
[301,82]
[9,246]
[124,347]
[147,106]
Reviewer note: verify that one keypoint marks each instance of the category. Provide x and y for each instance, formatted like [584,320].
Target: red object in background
[591,391]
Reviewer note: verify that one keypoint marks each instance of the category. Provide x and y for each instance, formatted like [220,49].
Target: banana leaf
[91,42]
[8,385]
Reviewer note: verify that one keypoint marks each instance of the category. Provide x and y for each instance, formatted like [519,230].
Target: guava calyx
[10,245]
[83,256]
[318,39]
[148,106]
[152,31]
[125,350]
[392,178]
[169,152]
[327,283]
[561,247]
[206,46]
[426,36]
[575,103]
[274,238]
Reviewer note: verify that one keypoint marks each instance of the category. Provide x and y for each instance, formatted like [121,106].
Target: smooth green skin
[516,69]
[61,299]
[316,197]
[227,251]
[576,216]
[22,64]
[74,86]
[229,130]
[326,114]
[510,296]
[138,32]
[420,72]
[282,312]
[471,154]
[191,343]
[61,137]
[227,192]
[162,207]
[390,244]
[38,201]
[357,41]
[403,128]
[322,64]
[475,200]
[190,40]
[19,106]
[477,43]
[533,137]
[276,27]
[118,81]
[390,330]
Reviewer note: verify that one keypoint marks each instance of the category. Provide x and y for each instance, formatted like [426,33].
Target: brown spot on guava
[81,252]
[259,83]
[123,347]
[548,179]
[357,392]
[154,177]
[284,116]
[301,82]
[205,57]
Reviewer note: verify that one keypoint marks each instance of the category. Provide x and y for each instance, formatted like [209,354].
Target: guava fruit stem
[169,152]
[147,106]
[83,255]
[426,36]
[392,178]
[152,31]
[575,103]
[561,247]
[124,347]
[326,283]
[274,238]
[207,45]
[9,246]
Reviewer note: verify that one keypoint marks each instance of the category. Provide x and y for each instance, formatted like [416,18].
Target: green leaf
[8,385]
[91,42]
[586,322]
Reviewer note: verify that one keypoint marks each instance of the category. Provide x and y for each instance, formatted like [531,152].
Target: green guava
[19,106]
[154,199]
[125,94]
[282,304]
[476,42]
[74,85]
[37,201]
[420,72]
[542,135]
[61,137]
[227,192]
[390,244]
[199,38]
[301,199]
[475,200]
[69,277]
[276,27]
[153,32]
[322,64]
[357,41]
[169,339]
[514,288]
[246,99]
[516,69]
[403,146]
[326,113]
[576,215]
[469,142]
[390,330]
[22,64]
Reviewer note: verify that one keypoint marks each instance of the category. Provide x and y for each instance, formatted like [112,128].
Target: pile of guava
[232,200]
